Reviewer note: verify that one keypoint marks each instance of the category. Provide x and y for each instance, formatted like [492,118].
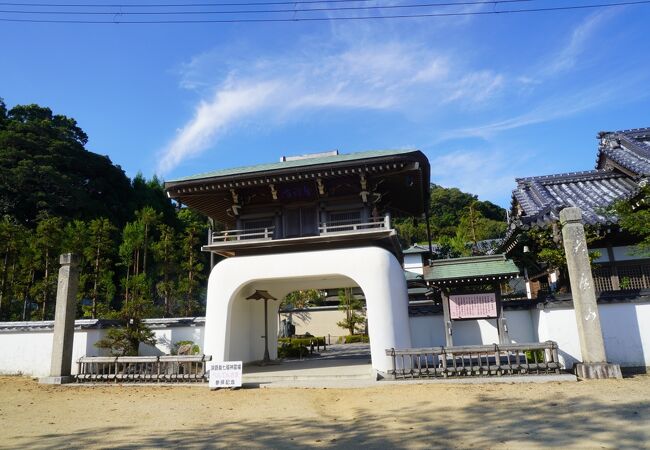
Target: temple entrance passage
[235,322]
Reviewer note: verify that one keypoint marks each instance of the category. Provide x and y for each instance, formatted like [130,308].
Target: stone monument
[66,299]
[594,361]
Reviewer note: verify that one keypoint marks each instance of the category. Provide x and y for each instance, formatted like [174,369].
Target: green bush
[306,341]
[292,350]
[356,338]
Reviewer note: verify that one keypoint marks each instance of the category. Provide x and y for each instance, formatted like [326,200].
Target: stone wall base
[597,370]
[56,380]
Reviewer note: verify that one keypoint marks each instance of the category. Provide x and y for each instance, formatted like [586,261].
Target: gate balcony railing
[261,234]
[325,228]
[475,360]
[352,225]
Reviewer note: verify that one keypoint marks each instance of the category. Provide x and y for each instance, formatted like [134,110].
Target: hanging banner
[473,306]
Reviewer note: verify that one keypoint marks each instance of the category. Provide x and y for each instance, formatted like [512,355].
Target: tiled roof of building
[542,198]
[415,249]
[630,149]
[623,162]
[471,270]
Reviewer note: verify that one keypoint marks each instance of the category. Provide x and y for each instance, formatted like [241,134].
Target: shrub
[292,350]
[306,341]
[356,338]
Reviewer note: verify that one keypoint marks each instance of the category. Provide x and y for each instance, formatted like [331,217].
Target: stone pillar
[594,361]
[66,296]
[449,337]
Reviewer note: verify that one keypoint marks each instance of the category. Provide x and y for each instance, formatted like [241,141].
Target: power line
[175,5]
[256,11]
[321,19]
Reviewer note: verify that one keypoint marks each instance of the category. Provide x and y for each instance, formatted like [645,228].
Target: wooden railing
[343,226]
[475,360]
[262,234]
[142,369]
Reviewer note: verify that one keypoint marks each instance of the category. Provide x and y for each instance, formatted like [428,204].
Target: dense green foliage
[458,221]
[139,256]
[634,216]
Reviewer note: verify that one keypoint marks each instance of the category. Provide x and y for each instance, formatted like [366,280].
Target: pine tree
[352,307]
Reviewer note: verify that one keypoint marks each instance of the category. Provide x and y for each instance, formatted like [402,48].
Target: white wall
[317,321]
[625,326]
[30,352]
[428,331]
[413,263]
[626,332]
[25,348]
[167,337]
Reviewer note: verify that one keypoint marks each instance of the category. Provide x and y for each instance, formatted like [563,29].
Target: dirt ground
[593,414]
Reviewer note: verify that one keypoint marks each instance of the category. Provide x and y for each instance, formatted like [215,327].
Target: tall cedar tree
[98,253]
[166,257]
[49,236]
[192,267]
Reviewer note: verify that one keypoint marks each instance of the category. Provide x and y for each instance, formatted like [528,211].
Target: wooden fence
[475,360]
[142,369]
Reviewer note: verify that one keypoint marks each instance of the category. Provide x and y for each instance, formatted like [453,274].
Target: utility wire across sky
[119,14]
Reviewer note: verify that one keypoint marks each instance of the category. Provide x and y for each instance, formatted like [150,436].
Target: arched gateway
[234,324]
[317,221]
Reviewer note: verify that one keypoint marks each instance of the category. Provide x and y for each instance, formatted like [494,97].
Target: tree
[99,253]
[12,236]
[48,240]
[634,216]
[129,251]
[192,266]
[148,218]
[455,216]
[166,257]
[302,299]
[126,340]
[45,167]
[353,308]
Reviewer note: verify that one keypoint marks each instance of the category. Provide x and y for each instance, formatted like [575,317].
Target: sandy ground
[594,414]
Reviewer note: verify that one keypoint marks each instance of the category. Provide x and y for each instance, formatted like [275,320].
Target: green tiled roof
[330,159]
[471,268]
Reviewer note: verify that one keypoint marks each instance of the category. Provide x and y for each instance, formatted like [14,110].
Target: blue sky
[487,98]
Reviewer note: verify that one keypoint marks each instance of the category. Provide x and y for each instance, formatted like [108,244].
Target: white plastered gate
[234,326]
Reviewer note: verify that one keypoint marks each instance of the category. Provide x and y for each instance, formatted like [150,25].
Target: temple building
[622,168]
[318,221]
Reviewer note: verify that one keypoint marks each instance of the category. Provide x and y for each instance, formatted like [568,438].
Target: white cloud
[392,75]
[553,107]
[567,57]
[212,118]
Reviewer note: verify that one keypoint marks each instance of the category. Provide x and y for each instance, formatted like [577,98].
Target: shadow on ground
[487,421]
